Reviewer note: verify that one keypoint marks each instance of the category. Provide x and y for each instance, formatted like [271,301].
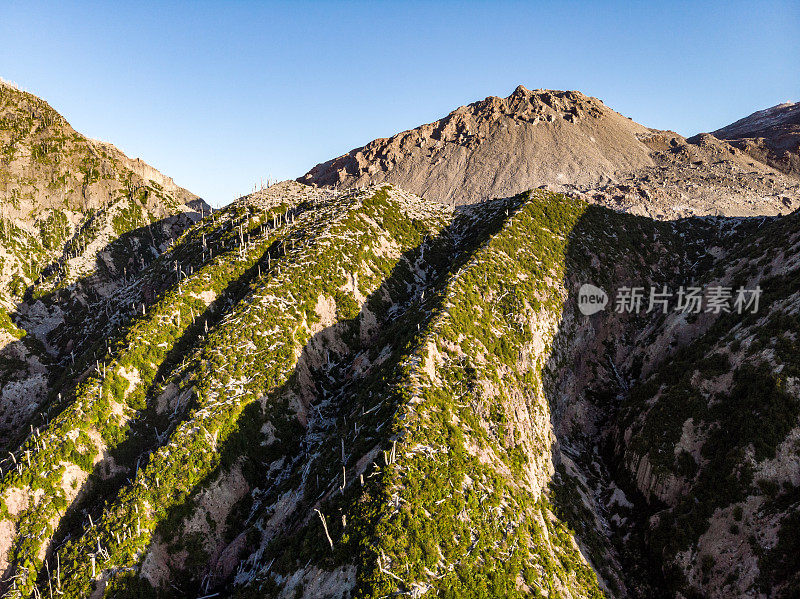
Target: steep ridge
[364,393]
[65,197]
[567,142]
[771,136]
[77,220]
[281,402]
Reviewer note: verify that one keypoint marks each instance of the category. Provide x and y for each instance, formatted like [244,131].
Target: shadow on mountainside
[69,328]
[591,369]
[622,388]
[338,375]
[140,435]
[90,322]
[284,448]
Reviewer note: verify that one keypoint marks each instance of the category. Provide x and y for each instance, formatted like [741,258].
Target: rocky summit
[571,143]
[350,390]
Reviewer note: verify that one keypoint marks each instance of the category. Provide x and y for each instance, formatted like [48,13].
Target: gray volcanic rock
[566,142]
[771,136]
[498,147]
[699,176]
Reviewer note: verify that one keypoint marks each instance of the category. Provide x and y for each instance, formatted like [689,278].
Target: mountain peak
[497,147]
[786,113]
[66,198]
[520,90]
[563,140]
[771,136]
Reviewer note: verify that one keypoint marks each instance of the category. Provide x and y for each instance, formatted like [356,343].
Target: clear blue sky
[220,95]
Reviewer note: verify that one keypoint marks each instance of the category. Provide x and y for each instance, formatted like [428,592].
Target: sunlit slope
[318,394]
[78,221]
[447,441]
[277,365]
[255,295]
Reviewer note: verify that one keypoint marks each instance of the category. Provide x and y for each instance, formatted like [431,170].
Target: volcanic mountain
[568,142]
[315,392]
[771,136]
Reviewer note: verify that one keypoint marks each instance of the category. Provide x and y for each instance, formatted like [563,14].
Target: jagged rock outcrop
[566,142]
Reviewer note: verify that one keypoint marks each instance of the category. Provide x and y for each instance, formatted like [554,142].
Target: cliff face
[686,422]
[316,393]
[566,142]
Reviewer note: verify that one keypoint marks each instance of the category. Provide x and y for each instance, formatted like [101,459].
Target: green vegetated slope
[315,394]
[268,384]
[444,492]
[682,429]
[712,435]
[78,221]
[106,418]
[65,197]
